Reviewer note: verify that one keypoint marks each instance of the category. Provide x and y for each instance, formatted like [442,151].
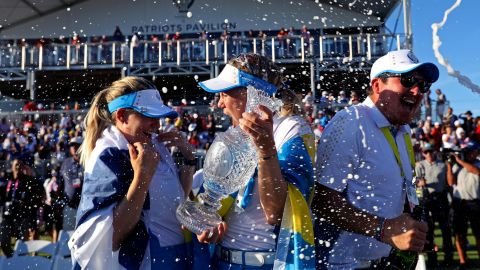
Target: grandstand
[67,50]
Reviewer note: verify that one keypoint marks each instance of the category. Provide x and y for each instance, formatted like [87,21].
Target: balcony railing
[202,51]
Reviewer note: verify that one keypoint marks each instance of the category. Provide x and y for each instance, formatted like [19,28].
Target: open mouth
[408,101]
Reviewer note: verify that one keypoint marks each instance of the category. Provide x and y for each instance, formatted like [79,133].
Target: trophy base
[197,218]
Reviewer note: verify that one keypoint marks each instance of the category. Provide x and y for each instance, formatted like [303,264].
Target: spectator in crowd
[427,126]
[125,159]
[283,145]
[462,139]
[342,98]
[53,206]
[458,128]
[23,196]
[464,177]
[324,98]
[71,175]
[441,102]
[449,118]
[308,102]
[356,159]
[305,34]
[432,175]
[292,42]
[211,127]
[4,127]
[30,106]
[436,135]
[468,123]
[427,103]
[118,35]
[476,133]
[282,41]
[449,139]
[323,119]
[419,133]
[354,98]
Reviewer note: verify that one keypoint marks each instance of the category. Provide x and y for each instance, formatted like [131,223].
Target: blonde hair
[99,118]
[259,66]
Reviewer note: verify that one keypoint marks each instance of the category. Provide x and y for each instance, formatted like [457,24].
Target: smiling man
[365,169]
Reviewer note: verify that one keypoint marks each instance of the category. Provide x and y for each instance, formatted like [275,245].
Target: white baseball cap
[146,102]
[403,61]
[232,77]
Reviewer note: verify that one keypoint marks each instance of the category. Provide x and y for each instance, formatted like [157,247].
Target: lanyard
[391,141]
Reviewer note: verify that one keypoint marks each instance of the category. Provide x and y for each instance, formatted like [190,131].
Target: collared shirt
[355,159]
[468,184]
[435,175]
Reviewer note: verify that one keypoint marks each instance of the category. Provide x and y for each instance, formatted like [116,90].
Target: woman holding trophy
[268,219]
[126,218]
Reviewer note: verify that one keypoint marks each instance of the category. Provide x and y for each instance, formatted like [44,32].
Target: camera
[447,154]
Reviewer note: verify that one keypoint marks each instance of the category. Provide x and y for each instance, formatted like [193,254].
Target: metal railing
[298,48]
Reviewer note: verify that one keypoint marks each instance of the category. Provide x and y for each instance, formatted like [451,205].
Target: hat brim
[429,71]
[217,85]
[161,111]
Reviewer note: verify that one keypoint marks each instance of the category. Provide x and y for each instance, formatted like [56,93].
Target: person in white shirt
[131,188]
[363,185]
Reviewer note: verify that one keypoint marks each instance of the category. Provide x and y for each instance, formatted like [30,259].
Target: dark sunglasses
[408,80]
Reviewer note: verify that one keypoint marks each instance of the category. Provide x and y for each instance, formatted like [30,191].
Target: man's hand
[405,233]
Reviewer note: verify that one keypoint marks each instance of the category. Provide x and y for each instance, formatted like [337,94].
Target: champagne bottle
[407,259]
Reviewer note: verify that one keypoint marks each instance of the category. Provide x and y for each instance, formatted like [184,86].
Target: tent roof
[18,12]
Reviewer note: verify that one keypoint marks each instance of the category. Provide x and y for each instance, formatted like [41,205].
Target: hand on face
[260,129]
[144,160]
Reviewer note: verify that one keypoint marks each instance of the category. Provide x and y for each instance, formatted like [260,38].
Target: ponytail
[97,120]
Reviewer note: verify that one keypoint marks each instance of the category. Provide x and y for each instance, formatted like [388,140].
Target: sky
[460,38]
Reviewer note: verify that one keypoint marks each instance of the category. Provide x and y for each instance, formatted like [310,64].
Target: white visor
[231,77]
[146,102]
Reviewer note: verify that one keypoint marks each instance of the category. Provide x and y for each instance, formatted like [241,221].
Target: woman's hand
[175,138]
[217,234]
[260,129]
[144,160]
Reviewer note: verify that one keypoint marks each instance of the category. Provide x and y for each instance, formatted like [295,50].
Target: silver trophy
[229,164]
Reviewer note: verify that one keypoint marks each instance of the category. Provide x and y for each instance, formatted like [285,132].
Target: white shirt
[166,194]
[468,184]
[448,141]
[248,229]
[355,158]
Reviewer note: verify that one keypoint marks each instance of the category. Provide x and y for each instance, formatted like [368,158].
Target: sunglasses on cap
[408,80]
